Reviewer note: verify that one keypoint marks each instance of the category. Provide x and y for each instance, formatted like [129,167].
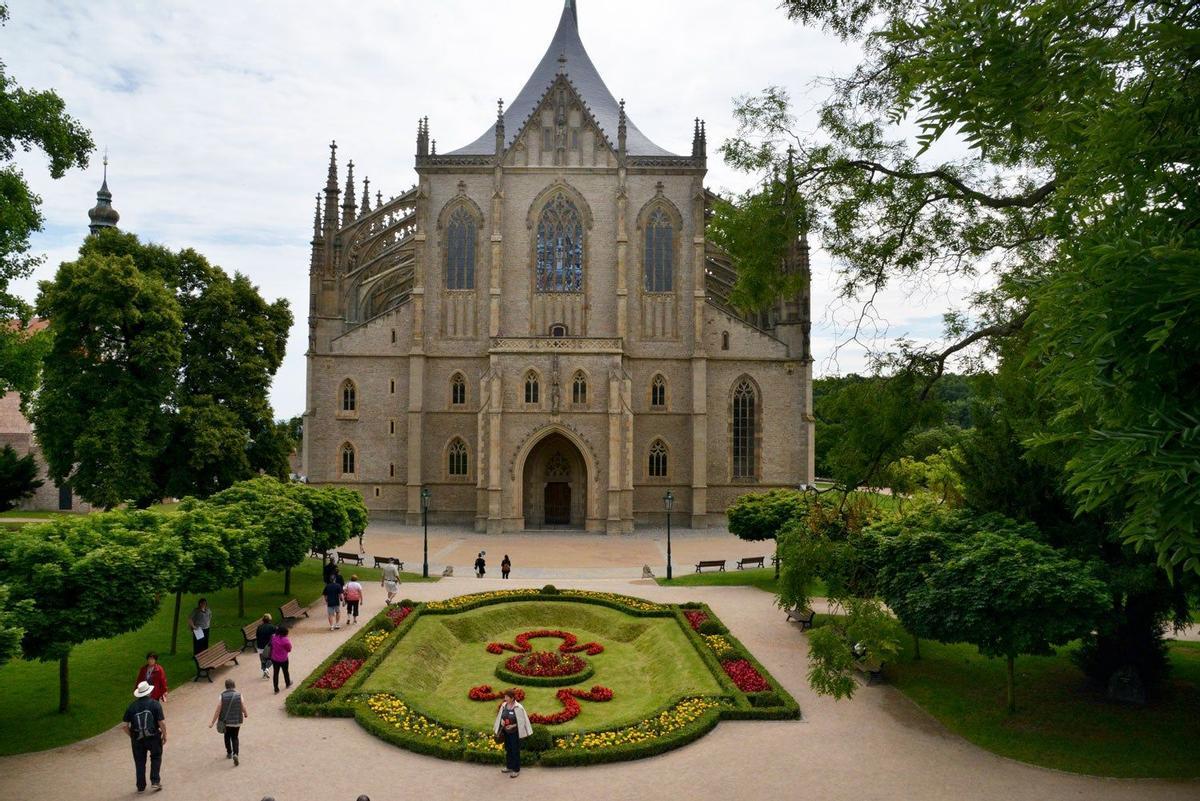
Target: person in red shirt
[153,674]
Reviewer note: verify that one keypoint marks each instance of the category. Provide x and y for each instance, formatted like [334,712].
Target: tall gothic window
[744,430]
[458,390]
[658,459]
[660,252]
[349,396]
[560,247]
[458,458]
[348,466]
[531,387]
[579,388]
[658,393]
[460,250]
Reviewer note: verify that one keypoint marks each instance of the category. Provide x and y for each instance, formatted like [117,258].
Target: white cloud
[217,115]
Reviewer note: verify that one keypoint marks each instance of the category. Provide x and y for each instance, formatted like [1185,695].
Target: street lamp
[425,523]
[668,501]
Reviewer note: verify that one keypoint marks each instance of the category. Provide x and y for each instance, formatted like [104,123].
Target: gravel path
[878,746]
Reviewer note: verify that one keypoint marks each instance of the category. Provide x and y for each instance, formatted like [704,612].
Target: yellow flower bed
[671,720]
[484,741]
[375,639]
[463,601]
[721,646]
[396,713]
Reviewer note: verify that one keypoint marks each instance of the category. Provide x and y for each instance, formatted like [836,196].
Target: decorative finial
[317,220]
[103,215]
[366,201]
[562,63]
[378,200]
[500,109]
[434,147]
[621,131]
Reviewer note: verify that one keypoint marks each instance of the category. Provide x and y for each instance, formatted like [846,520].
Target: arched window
[658,459]
[460,250]
[458,390]
[724,340]
[660,252]
[744,430]
[658,393]
[458,458]
[560,247]
[349,396]
[579,388]
[558,330]
[531,387]
[348,460]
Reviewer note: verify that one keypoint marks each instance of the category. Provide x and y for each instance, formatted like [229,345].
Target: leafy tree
[10,626]
[1071,177]
[759,516]
[84,578]
[18,478]
[356,510]
[102,415]
[330,519]
[264,505]
[867,632]
[28,119]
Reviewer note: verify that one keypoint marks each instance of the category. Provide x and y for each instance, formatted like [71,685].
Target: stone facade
[538,331]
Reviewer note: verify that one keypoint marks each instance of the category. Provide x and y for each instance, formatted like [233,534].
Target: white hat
[143,689]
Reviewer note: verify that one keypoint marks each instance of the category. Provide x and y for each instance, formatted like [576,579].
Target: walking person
[153,674]
[228,717]
[353,593]
[328,569]
[505,567]
[333,602]
[281,647]
[201,621]
[147,729]
[480,565]
[512,723]
[262,644]
[390,580]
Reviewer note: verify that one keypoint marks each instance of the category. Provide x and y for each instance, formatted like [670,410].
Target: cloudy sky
[217,115]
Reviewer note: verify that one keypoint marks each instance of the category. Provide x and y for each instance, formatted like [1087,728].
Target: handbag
[499,738]
[220,727]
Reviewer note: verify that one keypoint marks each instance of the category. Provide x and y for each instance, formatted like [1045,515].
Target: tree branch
[1019,201]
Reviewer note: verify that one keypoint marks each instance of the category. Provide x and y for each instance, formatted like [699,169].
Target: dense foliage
[18,478]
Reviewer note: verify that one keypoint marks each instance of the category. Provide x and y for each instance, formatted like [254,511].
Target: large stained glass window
[744,424]
[460,250]
[560,247]
[660,252]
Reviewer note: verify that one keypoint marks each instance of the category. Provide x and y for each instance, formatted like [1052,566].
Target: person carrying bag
[511,727]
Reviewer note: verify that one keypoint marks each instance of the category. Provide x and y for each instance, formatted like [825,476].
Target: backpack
[144,726]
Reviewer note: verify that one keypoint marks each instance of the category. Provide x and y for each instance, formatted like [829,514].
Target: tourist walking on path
[480,565]
[262,643]
[512,723]
[146,726]
[333,604]
[281,647]
[353,593]
[505,567]
[390,580]
[153,674]
[228,717]
[201,621]
[328,569]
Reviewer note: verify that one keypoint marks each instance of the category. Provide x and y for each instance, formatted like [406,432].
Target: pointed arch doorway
[554,485]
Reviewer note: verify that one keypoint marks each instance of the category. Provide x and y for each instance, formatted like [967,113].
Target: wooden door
[558,503]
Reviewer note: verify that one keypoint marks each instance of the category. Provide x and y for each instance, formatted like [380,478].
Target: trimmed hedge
[517,679]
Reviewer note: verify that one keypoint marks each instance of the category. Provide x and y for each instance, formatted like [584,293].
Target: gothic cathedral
[539,334]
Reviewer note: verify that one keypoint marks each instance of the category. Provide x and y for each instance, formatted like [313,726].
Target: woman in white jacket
[512,723]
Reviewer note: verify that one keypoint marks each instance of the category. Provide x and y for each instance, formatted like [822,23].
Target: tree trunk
[777,560]
[175,623]
[916,647]
[287,580]
[64,683]
[1012,697]
[241,599]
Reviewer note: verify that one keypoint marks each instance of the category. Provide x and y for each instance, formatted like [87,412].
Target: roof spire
[500,138]
[332,191]
[573,7]
[622,131]
[349,206]
[317,221]
[378,199]
[103,215]
[366,201]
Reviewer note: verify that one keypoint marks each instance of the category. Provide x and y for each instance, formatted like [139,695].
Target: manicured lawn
[1059,723]
[646,662]
[103,671]
[763,579]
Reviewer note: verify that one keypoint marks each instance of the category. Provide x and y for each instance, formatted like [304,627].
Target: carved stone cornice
[609,345]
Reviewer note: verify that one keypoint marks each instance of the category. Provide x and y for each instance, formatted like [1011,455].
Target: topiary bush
[712,626]
[382,623]
[540,740]
[355,649]
[550,589]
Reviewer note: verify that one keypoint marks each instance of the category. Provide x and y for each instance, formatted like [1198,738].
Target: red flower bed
[695,617]
[747,679]
[484,692]
[545,664]
[397,613]
[571,708]
[570,643]
[338,674]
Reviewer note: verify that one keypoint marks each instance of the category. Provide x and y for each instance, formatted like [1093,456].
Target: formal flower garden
[604,677]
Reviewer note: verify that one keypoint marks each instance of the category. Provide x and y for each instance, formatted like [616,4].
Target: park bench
[250,632]
[348,556]
[212,658]
[380,561]
[291,611]
[802,616]
[751,560]
[871,668]
[717,563]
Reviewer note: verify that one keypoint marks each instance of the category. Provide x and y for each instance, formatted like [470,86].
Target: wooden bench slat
[292,611]
[212,658]
[717,563]
[380,561]
[802,616]
[347,556]
[751,560]
[250,632]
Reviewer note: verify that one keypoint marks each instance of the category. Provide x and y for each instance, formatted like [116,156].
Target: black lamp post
[668,501]
[425,523]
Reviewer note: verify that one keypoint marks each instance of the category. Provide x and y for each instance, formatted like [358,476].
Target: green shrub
[764,699]
[540,740]
[550,589]
[355,649]
[382,623]
[409,602]
[760,515]
[712,626]
[517,680]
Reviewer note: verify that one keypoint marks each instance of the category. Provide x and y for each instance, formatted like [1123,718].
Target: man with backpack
[147,729]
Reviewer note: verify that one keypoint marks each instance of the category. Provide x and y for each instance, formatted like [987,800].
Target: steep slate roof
[587,83]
